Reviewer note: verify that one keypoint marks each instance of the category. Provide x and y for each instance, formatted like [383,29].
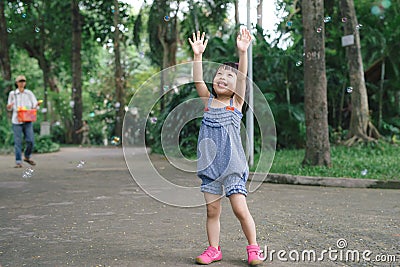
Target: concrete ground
[81,207]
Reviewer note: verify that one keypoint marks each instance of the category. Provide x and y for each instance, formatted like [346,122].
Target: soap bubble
[167,18]
[28,173]
[319,29]
[364,172]
[349,89]
[386,3]
[153,120]
[115,140]
[327,19]
[344,19]
[81,164]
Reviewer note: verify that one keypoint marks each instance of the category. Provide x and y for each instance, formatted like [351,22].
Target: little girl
[221,159]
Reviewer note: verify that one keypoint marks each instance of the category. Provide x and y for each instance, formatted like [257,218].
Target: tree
[361,127]
[260,13]
[315,93]
[118,74]
[76,67]
[4,52]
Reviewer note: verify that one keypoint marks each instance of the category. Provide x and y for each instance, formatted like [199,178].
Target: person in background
[22,97]
[85,133]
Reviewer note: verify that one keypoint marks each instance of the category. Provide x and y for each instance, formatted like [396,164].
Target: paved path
[96,215]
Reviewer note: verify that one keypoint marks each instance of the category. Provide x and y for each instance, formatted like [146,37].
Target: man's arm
[10,102]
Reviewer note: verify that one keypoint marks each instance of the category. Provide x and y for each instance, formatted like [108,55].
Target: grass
[374,161]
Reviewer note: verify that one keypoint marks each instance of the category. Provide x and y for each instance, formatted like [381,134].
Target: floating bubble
[319,29]
[81,164]
[153,120]
[349,89]
[28,173]
[23,15]
[289,24]
[327,19]
[141,54]
[358,26]
[364,172]
[298,63]
[259,16]
[344,19]
[37,29]
[386,3]
[167,18]
[115,140]
[9,30]
[375,10]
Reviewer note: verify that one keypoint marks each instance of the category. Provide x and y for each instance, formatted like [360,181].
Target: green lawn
[380,161]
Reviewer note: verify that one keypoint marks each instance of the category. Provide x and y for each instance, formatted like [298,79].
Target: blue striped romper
[221,161]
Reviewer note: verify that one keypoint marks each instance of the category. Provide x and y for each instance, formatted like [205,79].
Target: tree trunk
[315,92]
[360,123]
[237,22]
[167,34]
[260,13]
[76,68]
[4,53]
[119,81]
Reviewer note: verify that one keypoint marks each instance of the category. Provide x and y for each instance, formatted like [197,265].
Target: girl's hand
[243,40]
[198,44]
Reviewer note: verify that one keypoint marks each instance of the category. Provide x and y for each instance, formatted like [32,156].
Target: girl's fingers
[198,35]
[194,37]
[202,36]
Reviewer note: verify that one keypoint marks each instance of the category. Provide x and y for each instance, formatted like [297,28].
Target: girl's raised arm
[198,46]
[243,42]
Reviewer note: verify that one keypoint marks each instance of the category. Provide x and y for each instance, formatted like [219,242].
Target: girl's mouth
[222,85]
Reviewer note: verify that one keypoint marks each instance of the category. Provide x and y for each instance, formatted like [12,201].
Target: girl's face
[224,82]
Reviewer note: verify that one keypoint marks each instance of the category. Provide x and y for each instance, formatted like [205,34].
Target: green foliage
[373,161]
[6,132]
[188,134]
[44,144]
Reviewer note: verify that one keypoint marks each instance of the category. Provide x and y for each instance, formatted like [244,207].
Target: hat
[20,78]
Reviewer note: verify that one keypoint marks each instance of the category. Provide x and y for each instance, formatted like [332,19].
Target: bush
[44,144]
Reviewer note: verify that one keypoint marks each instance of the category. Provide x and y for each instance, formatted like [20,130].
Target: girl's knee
[213,210]
[242,213]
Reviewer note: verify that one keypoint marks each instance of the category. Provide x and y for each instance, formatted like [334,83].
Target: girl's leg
[213,215]
[240,209]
